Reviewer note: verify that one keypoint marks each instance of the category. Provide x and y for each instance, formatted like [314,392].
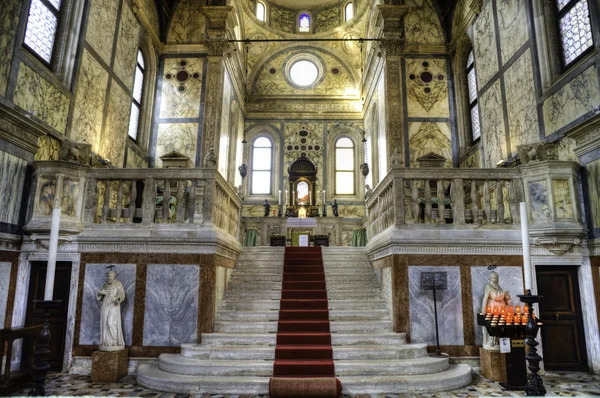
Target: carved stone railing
[444,196]
[161,196]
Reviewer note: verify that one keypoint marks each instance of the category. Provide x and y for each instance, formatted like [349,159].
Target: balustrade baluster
[428,205]
[512,201]
[499,202]
[441,195]
[92,203]
[487,206]
[179,210]
[119,208]
[106,205]
[474,202]
[132,199]
[398,185]
[148,201]
[415,201]
[166,199]
[458,201]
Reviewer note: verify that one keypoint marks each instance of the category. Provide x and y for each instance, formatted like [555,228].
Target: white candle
[280,197]
[52,250]
[525,239]
[324,200]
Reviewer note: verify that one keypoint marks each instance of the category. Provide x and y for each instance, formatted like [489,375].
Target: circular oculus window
[304,73]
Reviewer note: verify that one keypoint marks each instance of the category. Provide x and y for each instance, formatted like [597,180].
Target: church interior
[263,196]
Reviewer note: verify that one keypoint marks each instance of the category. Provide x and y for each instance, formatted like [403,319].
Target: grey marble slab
[509,278]
[171,308]
[12,180]
[95,276]
[4,282]
[449,308]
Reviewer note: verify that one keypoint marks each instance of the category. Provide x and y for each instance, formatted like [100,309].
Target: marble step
[346,352]
[362,326]
[261,305]
[456,376]
[276,294]
[371,286]
[334,315]
[337,339]
[333,278]
[424,365]
[175,363]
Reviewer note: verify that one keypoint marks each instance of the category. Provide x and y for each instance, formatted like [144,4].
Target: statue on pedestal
[210,160]
[396,159]
[267,208]
[334,208]
[493,296]
[112,295]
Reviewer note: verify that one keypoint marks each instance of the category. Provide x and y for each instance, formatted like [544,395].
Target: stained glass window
[261,166]
[344,166]
[42,24]
[304,23]
[260,11]
[575,28]
[348,11]
[472,86]
[136,103]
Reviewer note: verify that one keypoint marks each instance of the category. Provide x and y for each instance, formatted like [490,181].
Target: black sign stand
[435,281]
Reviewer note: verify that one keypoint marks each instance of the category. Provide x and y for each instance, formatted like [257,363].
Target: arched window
[262,151]
[261,14]
[344,166]
[304,23]
[474,108]
[42,26]
[136,102]
[348,11]
[575,29]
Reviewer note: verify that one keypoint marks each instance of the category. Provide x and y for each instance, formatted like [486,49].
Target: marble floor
[564,384]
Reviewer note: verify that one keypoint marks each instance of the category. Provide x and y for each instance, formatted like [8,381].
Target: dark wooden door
[560,310]
[58,316]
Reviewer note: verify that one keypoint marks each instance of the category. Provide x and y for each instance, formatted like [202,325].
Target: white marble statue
[111,329]
[493,296]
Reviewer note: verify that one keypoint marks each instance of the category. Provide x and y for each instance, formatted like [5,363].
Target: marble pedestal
[109,366]
[493,365]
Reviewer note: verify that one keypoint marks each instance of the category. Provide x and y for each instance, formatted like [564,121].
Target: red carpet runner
[303,337]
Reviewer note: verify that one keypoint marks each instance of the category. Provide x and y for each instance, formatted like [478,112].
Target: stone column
[217,45]
[391,46]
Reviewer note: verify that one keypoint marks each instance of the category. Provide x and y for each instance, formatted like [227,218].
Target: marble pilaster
[95,276]
[5,268]
[171,307]
[12,180]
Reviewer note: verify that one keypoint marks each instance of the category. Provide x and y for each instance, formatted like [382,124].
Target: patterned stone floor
[563,384]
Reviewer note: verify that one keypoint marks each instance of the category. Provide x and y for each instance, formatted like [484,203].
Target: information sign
[434,280]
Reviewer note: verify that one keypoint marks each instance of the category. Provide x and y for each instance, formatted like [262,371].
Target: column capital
[391,17]
[391,47]
[216,47]
[217,20]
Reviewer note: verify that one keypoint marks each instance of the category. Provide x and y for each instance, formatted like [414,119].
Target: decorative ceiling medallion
[427,83]
[182,75]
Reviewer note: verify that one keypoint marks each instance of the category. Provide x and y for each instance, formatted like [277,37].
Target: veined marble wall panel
[422,24]
[350,211]
[34,94]
[180,137]
[220,281]
[492,126]
[427,88]
[9,23]
[512,26]
[188,23]
[112,144]
[449,306]
[127,46]
[486,56]
[593,172]
[426,137]
[386,288]
[293,146]
[473,161]
[12,179]
[135,161]
[171,309]
[327,19]
[95,276]
[151,13]
[521,103]
[70,195]
[510,279]
[5,269]
[101,25]
[46,198]
[254,210]
[86,125]
[538,200]
[461,13]
[561,195]
[282,19]
[223,160]
[565,149]
[49,148]
[575,99]
[181,88]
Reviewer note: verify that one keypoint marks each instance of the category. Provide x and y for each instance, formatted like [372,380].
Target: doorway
[560,312]
[58,316]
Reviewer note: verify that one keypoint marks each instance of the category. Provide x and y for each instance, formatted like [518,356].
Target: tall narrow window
[304,23]
[42,24]
[261,166]
[136,103]
[260,11]
[474,108]
[344,166]
[575,28]
[348,11]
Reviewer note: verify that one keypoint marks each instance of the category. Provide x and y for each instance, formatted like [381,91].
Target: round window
[304,73]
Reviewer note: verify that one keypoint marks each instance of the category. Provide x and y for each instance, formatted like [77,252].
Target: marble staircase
[238,357]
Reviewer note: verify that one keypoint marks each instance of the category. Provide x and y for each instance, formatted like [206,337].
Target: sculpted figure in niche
[267,208]
[493,296]
[112,295]
[396,159]
[210,160]
[334,208]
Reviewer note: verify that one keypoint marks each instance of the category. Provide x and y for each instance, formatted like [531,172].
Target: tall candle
[525,239]
[324,200]
[280,197]
[53,246]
